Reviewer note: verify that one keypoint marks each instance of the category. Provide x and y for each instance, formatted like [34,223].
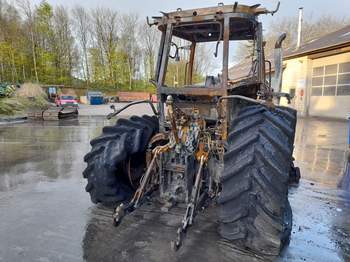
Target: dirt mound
[30,90]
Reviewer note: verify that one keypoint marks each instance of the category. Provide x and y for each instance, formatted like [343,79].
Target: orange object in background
[134,96]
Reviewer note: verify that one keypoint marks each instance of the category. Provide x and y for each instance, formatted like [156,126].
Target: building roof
[332,40]
[240,70]
[244,69]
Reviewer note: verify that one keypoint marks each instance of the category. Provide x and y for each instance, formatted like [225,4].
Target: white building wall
[297,76]
[337,106]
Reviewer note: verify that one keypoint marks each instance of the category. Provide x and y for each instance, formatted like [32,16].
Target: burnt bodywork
[185,160]
[220,24]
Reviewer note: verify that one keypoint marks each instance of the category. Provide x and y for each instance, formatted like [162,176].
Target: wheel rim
[135,166]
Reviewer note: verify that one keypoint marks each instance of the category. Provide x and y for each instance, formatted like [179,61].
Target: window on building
[331,69]
[317,81]
[316,91]
[331,80]
[318,71]
[344,79]
[344,67]
[343,87]
[343,90]
[329,90]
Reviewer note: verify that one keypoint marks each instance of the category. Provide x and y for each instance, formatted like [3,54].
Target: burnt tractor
[218,141]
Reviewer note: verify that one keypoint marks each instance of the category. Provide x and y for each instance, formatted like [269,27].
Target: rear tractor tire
[290,116]
[117,159]
[254,209]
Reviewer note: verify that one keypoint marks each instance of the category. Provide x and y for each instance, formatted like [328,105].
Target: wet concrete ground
[45,214]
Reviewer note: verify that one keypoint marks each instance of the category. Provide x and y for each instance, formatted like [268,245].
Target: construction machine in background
[219,142]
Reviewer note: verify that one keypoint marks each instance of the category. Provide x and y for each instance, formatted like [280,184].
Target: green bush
[10,106]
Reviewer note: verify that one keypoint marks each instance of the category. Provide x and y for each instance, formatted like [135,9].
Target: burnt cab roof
[240,29]
[206,24]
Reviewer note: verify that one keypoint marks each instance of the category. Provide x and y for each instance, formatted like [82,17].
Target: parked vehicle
[66,100]
[95,97]
[52,93]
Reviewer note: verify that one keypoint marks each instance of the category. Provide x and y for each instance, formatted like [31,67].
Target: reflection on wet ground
[321,150]
[320,227]
[43,150]
[47,216]
[43,204]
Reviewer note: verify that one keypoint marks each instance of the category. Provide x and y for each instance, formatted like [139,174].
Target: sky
[312,8]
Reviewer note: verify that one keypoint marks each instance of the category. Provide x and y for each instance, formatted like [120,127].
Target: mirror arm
[218,42]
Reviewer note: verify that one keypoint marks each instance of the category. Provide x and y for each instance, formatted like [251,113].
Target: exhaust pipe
[300,23]
[278,57]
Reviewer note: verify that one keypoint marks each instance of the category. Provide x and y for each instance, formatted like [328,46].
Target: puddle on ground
[46,215]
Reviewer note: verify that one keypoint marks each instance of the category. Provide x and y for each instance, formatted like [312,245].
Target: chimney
[300,22]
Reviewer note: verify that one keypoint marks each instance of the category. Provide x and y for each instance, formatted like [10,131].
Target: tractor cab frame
[220,24]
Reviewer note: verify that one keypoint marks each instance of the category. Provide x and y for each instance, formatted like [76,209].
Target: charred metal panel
[177,176]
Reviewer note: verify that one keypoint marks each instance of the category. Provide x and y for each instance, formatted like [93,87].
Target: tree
[45,41]
[63,45]
[102,48]
[129,24]
[82,28]
[13,45]
[149,42]
[27,10]
[311,29]
[40,43]
[105,37]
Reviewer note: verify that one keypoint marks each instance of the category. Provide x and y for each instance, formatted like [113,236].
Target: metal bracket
[282,94]
[141,193]
[229,97]
[149,23]
[116,112]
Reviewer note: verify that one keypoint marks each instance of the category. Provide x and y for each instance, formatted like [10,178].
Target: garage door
[330,90]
